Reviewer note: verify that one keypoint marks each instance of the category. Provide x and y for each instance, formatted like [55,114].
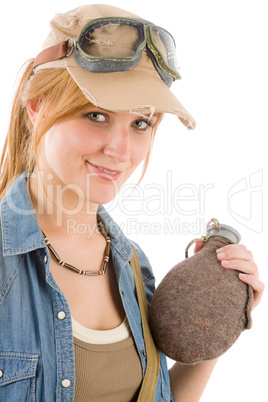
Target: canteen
[199,309]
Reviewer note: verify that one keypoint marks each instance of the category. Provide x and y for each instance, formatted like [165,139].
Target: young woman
[84,117]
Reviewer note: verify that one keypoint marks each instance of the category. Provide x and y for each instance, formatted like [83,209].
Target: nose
[118,146]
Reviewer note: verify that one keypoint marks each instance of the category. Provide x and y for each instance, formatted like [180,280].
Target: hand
[238,257]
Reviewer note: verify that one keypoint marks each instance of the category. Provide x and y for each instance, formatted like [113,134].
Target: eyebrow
[145,115]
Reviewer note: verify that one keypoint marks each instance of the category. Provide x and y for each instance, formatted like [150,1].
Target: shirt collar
[20,229]
[118,239]
[21,232]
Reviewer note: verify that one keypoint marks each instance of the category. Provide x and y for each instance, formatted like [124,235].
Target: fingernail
[220,249]
[221,255]
[225,262]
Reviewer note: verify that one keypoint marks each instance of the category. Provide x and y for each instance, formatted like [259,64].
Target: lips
[105,173]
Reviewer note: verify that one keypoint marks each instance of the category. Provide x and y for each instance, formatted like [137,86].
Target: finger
[198,246]
[234,251]
[233,246]
[257,286]
[246,267]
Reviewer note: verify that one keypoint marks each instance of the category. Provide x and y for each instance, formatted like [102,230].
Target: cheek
[55,151]
[140,151]
[63,144]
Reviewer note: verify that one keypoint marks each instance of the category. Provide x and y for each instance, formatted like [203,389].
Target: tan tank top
[105,371]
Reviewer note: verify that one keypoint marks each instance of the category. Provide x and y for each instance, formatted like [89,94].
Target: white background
[220,168]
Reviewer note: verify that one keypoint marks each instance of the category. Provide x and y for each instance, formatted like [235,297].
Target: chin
[103,197]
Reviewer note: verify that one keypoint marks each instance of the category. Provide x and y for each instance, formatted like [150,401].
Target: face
[95,153]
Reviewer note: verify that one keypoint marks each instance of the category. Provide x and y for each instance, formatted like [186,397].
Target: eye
[97,116]
[141,124]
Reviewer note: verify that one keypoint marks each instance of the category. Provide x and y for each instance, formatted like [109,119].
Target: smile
[107,171]
[104,173]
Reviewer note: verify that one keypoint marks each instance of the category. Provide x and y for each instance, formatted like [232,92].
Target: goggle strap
[56,52]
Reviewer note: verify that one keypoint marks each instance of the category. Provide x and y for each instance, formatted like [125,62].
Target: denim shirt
[36,339]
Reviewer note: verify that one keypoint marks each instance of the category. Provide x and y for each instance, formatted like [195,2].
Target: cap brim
[130,91]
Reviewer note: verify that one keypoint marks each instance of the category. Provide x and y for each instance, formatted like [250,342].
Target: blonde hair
[58,97]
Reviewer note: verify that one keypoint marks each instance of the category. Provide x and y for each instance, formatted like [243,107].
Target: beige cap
[138,90]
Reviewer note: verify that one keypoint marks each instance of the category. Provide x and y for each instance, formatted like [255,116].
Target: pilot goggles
[116,44]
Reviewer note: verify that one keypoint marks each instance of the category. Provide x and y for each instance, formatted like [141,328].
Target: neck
[60,209]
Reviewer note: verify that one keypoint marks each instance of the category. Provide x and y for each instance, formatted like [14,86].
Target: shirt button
[61,315]
[66,383]
[143,353]
[1,373]
[45,259]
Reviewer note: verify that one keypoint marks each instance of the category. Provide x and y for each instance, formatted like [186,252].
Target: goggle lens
[111,40]
[164,43]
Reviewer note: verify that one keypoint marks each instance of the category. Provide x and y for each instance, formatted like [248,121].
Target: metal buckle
[71,43]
